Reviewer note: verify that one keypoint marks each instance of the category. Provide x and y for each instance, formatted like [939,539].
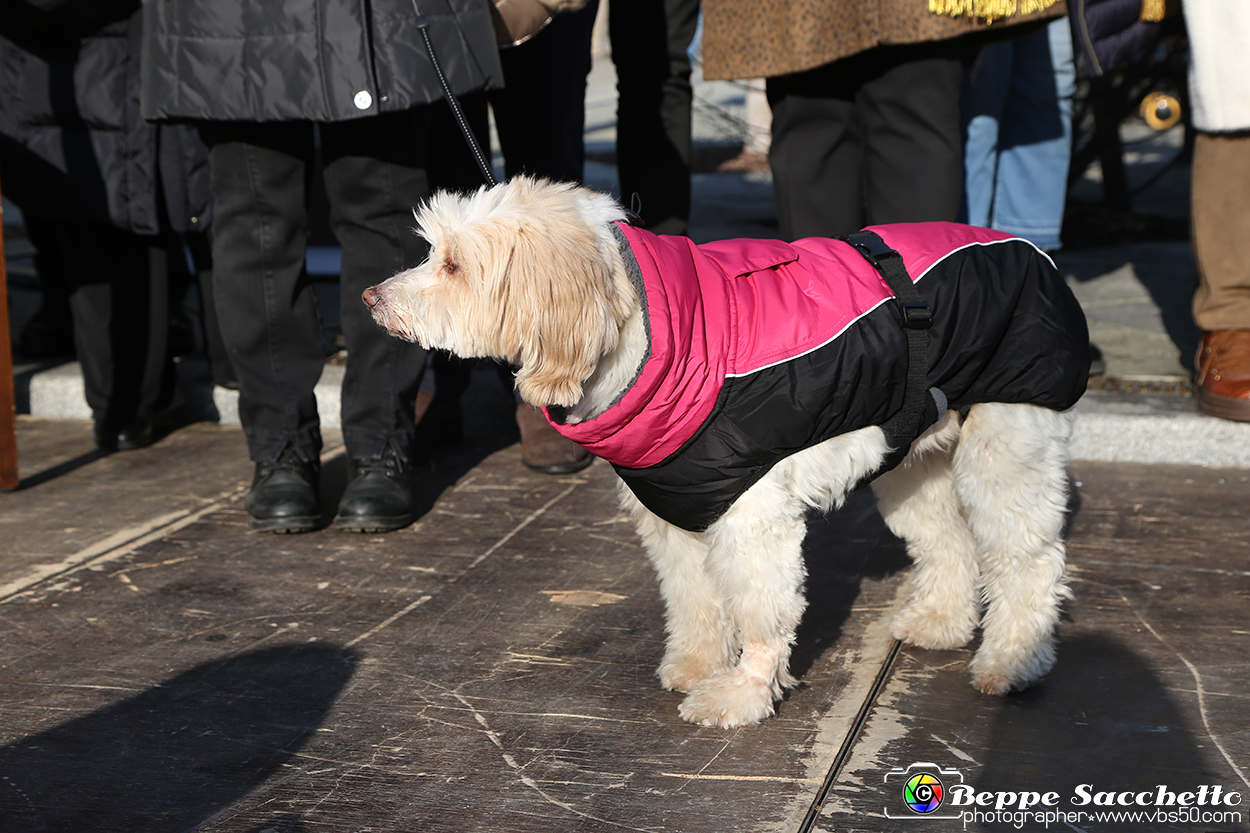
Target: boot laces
[389,465]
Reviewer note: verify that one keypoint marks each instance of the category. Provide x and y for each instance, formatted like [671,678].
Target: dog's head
[527,271]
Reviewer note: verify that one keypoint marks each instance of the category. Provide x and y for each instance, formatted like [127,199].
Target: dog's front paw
[730,699]
[682,672]
[937,628]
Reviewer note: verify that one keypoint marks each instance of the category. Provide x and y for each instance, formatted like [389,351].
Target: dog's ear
[563,308]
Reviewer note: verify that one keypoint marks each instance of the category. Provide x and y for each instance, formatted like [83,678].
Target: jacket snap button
[363,100]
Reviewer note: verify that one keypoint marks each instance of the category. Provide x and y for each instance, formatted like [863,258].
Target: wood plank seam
[844,754]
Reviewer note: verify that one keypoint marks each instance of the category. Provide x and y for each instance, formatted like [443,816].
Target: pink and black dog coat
[758,349]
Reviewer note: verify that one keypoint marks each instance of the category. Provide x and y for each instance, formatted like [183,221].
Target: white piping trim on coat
[869,311]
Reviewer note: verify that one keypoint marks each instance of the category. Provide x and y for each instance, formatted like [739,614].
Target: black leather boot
[378,497]
[284,494]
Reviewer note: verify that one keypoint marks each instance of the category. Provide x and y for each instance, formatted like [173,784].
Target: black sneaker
[284,494]
[378,497]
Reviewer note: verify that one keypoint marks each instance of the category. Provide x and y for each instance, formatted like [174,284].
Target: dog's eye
[450,266]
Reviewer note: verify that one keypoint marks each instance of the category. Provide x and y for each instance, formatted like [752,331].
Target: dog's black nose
[369,297]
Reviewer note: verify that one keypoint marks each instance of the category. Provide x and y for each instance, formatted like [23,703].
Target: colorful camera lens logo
[923,793]
[923,788]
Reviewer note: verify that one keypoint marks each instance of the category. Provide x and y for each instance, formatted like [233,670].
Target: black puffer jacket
[73,145]
[322,60]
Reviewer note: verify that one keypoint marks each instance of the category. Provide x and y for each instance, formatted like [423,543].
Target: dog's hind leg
[919,504]
[756,560]
[1011,479]
[701,640]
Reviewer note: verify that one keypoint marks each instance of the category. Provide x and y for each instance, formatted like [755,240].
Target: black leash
[423,26]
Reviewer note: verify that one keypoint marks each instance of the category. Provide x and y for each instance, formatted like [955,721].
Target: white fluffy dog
[535,274]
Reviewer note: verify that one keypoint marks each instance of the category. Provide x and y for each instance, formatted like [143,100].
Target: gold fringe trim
[989,10]
[1154,11]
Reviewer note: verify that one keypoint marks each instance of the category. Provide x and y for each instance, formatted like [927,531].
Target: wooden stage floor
[491,668]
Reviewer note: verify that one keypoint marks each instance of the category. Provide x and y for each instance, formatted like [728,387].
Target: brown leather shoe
[1222,374]
[543,448]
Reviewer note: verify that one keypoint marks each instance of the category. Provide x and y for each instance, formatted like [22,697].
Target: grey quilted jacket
[73,145]
[321,60]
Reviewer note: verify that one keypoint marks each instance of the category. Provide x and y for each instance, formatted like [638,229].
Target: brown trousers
[1221,230]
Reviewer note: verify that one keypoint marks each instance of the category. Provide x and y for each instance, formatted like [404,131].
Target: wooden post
[8,404]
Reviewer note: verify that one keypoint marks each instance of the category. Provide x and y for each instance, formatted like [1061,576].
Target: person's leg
[200,247]
[267,312]
[375,175]
[1035,140]
[541,114]
[90,298]
[653,134]
[1221,306]
[49,333]
[914,155]
[817,151]
[120,303]
[984,97]
[1221,220]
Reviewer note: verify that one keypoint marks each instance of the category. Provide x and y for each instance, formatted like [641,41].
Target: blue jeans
[1017,110]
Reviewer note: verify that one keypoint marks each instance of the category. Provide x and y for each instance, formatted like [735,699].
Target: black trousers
[873,138]
[121,286]
[540,114]
[375,174]
[653,121]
